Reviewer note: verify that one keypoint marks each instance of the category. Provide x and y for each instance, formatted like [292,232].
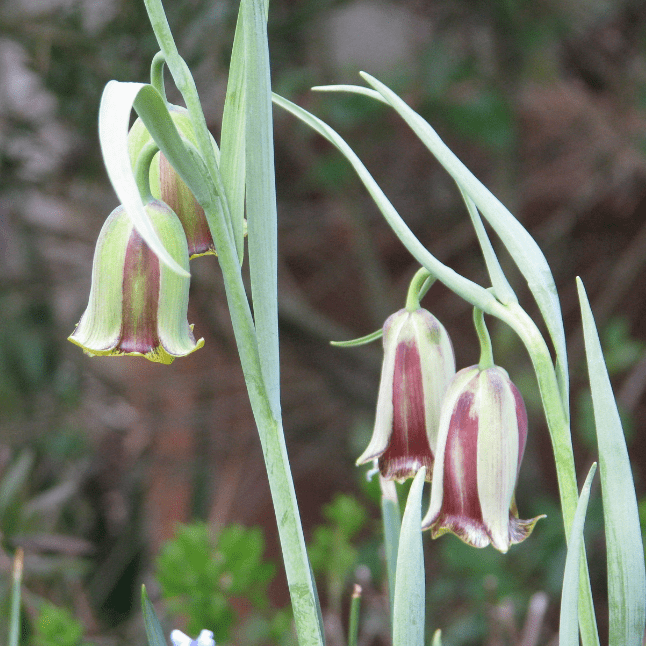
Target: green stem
[417,288]
[157,74]
[14,619]
[142,170]
[559,428]
[353,630]
[186,85]
[297,568]
[486,352]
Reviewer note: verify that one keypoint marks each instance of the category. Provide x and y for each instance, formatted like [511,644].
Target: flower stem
[142,170]
[157,74]
[559,427]
[486,351]
[419,285]
[299,576]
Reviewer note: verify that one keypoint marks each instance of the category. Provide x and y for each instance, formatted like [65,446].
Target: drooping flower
[418,365]
[137,305]
[166,184]
[482,434]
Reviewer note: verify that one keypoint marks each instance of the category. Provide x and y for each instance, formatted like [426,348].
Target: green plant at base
[331,551]
[201,576]
[57,627]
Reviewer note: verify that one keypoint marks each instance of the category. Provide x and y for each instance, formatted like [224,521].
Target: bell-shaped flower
[417,368]
[137,305]
[483,429]
[166,185]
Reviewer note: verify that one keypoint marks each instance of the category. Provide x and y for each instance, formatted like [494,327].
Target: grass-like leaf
[470,291]
[569,623]
[154,630]
[261,195]
[391,518]
[625,552]
[408,611]
[232,144]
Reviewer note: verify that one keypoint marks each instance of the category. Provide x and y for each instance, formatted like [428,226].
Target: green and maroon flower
[417,368]
[137,305]
[482,434]
[166,185]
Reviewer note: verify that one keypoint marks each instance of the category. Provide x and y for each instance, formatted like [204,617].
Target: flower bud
[418,365]
[137,305]
[166,185]
[483,428]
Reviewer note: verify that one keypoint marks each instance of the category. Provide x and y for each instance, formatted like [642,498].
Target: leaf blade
[626,571]
[569,619]
[408,610]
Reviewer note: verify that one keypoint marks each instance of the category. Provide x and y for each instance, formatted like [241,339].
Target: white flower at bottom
[180,639]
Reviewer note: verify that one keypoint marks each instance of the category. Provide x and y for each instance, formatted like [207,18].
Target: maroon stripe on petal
[408,449]
[140,297]
[460,491]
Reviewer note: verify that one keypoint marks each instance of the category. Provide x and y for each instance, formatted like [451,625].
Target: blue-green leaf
[154,630]
[391,517]
[261,195]
[625,552]
[569,623]
[408,610]
[232,144]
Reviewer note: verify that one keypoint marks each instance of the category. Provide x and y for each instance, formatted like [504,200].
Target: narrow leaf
[408,611]
[502,288]
[232,144]
[437,638]
[364,340]
[114,117]
[625,552]
[569,623]
[470,291]
[261,196]
[154,630]
[391,517]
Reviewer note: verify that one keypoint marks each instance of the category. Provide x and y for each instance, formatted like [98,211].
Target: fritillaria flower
[418,365]
[166,185]
[482,433]
[137,305]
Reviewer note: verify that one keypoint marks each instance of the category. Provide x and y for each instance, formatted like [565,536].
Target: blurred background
[101,459]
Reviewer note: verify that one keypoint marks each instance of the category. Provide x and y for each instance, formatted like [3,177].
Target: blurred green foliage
[216,582]
[57,627]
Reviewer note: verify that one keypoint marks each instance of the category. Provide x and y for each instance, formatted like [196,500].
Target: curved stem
[186,85]
[157,74]
[419,285]
[142,170]
[486,351]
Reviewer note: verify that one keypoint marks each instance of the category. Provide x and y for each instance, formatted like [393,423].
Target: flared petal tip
[477,534]
[404,467]
[157,354]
